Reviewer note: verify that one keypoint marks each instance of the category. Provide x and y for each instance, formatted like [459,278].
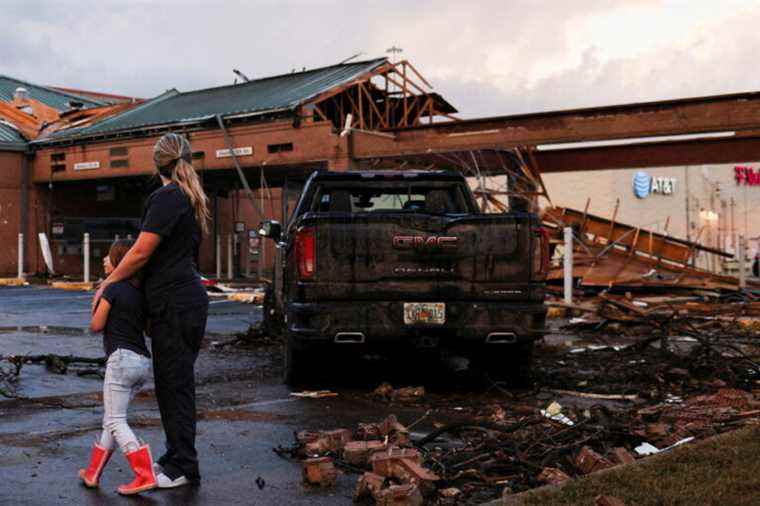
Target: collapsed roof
[256,97]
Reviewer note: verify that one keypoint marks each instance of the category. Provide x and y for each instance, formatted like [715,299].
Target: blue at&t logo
[642,184]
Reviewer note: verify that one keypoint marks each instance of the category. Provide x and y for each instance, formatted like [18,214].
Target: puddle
[57,330]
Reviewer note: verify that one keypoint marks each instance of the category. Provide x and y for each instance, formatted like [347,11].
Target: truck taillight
[541,252]
[306,254]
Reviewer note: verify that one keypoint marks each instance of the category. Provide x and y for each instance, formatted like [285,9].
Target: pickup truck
[373,260]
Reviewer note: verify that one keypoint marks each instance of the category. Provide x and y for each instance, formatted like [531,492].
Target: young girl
[120,315]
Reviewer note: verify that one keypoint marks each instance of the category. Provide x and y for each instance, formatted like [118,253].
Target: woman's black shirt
[171,274]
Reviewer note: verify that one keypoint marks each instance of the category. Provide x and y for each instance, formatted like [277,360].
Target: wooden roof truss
[395,95]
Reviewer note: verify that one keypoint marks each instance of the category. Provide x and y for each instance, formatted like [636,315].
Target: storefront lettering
[746,176]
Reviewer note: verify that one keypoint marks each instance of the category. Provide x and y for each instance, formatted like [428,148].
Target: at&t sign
[644,184]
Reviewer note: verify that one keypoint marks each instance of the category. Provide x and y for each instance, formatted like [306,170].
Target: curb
[79,286]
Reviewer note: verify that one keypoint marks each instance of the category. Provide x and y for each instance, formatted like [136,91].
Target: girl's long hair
[173,158]
[116,254]
[118,250]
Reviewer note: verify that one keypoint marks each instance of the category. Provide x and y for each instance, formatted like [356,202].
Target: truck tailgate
[421,257]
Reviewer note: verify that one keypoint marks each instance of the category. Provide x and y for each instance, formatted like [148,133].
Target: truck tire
[513,365]
[295,364]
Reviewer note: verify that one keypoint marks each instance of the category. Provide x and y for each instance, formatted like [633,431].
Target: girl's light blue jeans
[126,373]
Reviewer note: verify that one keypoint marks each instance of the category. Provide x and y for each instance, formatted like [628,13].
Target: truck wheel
[295,365]
[513,365]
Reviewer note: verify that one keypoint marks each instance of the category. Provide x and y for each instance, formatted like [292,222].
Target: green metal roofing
[56,99]
[10,138]
[259,96]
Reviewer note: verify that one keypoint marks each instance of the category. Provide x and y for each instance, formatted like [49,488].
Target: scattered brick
[382,462]
[368,486]
[607,500]
[320,472]
[331,440]
[622,456]
[588,461]
[400,495]
[357,453]
[553,476]
[408,393]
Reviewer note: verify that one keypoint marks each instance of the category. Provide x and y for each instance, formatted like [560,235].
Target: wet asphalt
[244,412]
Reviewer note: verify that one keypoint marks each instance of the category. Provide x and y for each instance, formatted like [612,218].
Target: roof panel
[10,137]
[269,94]
[54,98]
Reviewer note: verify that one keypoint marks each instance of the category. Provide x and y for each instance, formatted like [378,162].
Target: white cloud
[487,57]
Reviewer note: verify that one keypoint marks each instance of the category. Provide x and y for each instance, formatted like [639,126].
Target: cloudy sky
[487,57]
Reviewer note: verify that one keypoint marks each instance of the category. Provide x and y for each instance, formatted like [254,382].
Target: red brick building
[74,162]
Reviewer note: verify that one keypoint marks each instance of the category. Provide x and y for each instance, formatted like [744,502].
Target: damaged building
[75,162]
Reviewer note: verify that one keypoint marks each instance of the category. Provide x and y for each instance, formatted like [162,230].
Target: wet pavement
[244,411]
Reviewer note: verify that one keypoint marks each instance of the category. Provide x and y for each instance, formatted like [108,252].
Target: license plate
[424,312]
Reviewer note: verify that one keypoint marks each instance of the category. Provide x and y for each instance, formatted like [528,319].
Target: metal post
[218,256]
[21,256]
[568,265]
[229,256]
[247,248]
[86,258]
[742,262]
[260,259]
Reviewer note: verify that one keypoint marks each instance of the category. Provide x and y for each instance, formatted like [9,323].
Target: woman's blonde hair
[173,158]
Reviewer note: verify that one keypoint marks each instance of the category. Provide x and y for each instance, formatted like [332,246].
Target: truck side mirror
[271,229]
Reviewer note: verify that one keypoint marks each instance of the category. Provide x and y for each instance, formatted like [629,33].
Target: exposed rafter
[392,96]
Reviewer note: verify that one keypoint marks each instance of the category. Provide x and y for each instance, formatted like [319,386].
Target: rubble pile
[609,254]
[595,406]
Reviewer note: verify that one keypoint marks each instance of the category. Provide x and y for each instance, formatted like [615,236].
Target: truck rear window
[397,199]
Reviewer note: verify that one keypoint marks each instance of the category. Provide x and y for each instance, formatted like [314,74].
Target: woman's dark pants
[176,338]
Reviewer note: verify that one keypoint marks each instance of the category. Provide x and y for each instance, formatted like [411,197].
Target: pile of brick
[392,472]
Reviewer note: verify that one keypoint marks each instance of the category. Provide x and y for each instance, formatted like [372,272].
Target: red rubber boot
[98,460]
[141,463]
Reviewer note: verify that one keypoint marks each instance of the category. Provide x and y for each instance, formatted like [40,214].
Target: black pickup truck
[378,259]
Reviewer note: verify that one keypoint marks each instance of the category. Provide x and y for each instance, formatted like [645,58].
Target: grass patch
[721,471]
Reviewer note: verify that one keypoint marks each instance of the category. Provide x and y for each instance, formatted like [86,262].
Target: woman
[174,220]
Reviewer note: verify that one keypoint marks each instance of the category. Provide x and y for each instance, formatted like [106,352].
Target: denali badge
[419,242]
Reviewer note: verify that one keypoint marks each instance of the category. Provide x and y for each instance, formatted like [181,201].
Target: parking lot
[605,390]
[244,412]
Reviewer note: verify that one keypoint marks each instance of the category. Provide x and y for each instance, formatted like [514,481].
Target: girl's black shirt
[126,319]
[171,274]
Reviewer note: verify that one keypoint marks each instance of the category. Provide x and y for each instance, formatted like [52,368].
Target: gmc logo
[419,242]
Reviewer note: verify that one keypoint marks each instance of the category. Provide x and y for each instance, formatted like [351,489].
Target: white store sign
[244,151]
[86,165]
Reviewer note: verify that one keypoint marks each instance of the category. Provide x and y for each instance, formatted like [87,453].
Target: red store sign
[746,176]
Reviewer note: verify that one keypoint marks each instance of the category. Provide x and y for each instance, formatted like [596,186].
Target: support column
[218,256]
[229,257]
[568,263]
[21,256]
[86,251]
